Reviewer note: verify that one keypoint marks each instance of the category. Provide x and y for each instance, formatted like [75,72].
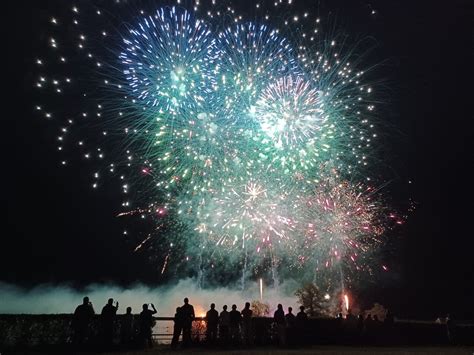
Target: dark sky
[55,229]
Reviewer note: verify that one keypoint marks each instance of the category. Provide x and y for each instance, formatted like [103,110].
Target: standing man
[81,321]
[107,318]
[290,326]
[127,328]
[224,323]
[301,325]
[235,319]
[188,317]
[177,328]
[247,325]
[451,328]
[146,324]
[279,319]
[212,318]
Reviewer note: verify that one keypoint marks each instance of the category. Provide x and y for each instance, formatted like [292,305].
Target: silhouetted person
[235,319]
[127,328]
[178,327]
[290,318]
[451,328]
[301,322]
[81,321]
[301,318]
[290,326]
[247,324]
[146,324]
[224,324]
[279,319]
[107,320]
[188,317]
[212,319]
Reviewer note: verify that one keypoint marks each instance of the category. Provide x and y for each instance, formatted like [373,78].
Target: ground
[324,350]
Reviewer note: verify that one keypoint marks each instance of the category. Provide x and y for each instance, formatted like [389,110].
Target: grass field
[324,350]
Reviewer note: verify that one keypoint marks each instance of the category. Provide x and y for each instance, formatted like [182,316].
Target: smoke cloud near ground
[51,299]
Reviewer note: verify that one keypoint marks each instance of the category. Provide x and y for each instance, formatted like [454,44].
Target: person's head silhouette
[186,301]
[111,300]
[213,306]
[302,308]
[129,310]
[234,307]
[145,307]
[85,300]
[224,307]
[290,309]
[280,307]
[247,305]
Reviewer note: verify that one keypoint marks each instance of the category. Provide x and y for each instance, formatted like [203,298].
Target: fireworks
[169,60]
[290,112]
[252,55]
[246,146]
[249,216]
[293,123]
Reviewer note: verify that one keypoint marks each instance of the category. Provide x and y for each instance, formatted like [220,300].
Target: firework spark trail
[165,263]
[139,246]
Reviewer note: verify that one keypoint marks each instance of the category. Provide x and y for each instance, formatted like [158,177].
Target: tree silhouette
[312,299]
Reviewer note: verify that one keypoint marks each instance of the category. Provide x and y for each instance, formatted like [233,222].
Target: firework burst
[229,135]
[170,60]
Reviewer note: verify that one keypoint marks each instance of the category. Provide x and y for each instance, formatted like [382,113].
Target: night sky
[56,229]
